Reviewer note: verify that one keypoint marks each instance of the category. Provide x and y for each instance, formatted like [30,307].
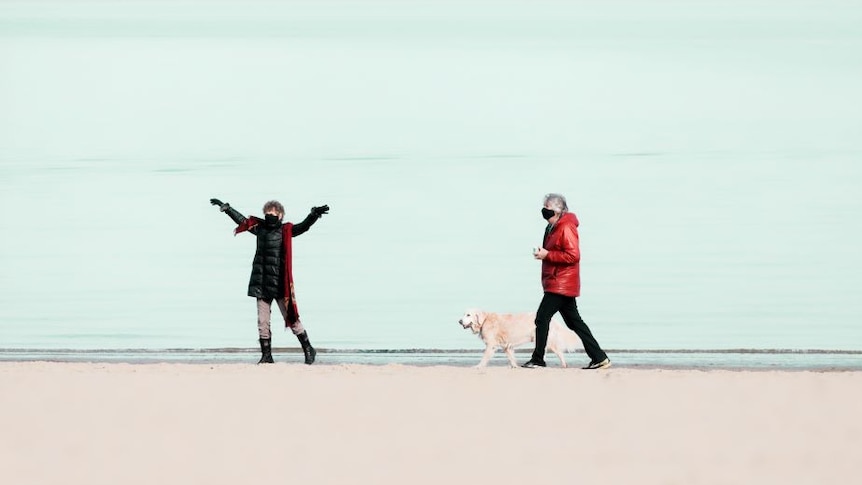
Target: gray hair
[556,202]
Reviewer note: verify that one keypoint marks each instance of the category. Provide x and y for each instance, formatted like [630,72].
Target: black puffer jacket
[267,271]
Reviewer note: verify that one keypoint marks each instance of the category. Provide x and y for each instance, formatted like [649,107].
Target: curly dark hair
[273,204]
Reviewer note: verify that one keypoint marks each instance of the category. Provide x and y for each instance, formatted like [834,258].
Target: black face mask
[547,213]
[271,219]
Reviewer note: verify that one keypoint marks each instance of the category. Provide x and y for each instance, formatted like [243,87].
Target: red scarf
[286,237]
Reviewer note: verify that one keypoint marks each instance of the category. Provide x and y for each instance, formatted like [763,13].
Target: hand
[320,210]
[216,202]
[540,253]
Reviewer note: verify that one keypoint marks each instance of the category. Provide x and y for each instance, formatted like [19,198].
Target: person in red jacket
[561,281]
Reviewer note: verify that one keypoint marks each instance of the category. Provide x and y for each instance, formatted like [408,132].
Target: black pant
[568,308]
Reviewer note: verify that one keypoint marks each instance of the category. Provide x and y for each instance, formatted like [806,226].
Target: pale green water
[712,152]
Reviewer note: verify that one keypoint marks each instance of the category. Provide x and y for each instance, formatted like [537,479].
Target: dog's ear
[480,317]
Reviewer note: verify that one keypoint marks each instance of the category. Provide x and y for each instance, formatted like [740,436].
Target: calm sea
[711,151]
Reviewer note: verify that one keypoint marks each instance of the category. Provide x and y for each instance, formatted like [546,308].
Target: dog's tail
[563,337]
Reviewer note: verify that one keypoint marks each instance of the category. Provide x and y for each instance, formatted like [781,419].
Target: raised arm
[315,214]
[230,211]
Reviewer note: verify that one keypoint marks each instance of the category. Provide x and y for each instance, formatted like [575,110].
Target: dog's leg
[511,355]
[559,355]
[486,356]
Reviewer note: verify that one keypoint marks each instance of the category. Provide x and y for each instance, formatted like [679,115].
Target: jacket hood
[570,216]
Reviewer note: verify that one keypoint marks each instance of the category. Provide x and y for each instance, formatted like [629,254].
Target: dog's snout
[461,321]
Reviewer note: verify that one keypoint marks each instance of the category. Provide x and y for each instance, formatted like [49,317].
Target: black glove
[319,211]
[221,205]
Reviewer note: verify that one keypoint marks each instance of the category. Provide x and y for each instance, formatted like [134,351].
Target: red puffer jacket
[561,272]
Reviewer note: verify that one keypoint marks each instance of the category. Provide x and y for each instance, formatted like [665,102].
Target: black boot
[266,351]
[307,349]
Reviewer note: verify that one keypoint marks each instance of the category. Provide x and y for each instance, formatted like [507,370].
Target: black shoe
[310,355]
[307,349]
[266,351]
[532,364]
[266,359]
[602,364]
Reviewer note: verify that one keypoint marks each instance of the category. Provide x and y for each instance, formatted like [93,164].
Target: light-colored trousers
[264,315]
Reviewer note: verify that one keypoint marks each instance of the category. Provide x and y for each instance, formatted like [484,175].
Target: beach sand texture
[70,423]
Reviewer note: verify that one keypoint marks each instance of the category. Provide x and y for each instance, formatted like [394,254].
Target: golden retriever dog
[510,330]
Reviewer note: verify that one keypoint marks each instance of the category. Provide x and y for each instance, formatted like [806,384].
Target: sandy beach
[68,423]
